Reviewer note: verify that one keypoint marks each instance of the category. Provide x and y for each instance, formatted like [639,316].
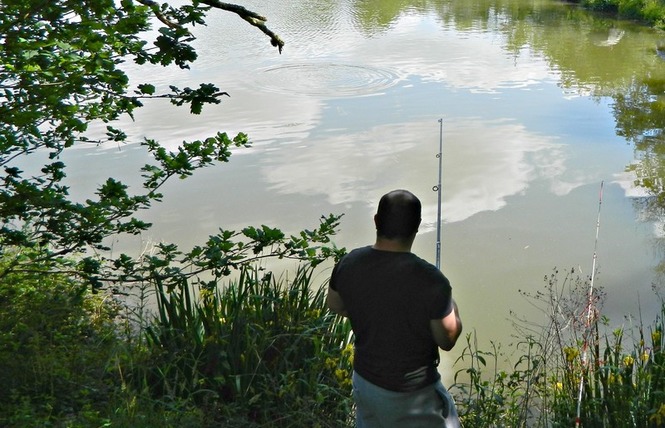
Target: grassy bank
[575,367]
[262,351]
[259,351]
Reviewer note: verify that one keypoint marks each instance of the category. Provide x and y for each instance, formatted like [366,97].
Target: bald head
[398,215]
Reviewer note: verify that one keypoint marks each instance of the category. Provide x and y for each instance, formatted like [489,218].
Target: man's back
[391,298]
[401,309]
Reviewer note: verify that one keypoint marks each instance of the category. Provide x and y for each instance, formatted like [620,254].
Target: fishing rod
[589,311]
[437,189]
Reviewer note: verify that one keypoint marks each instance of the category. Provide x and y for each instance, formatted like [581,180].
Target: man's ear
[376,224]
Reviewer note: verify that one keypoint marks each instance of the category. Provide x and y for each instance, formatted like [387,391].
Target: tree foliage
[61,68]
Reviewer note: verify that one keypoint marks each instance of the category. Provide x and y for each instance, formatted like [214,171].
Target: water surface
[539,102]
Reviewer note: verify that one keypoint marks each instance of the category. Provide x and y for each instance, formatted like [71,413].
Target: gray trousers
[429,407]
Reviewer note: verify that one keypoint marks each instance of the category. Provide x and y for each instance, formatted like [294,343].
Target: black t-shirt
[391,298]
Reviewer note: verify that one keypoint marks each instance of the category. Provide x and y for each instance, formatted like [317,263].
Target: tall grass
[572,369]
[261,350]
[488,395]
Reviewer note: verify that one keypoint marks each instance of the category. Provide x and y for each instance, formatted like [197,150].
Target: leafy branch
[60,69]
[226,252]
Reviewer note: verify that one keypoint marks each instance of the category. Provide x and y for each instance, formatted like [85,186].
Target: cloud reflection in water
[483,162]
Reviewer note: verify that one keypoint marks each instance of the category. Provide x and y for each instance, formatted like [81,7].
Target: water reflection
[533,94]
[482,167]
[476,62]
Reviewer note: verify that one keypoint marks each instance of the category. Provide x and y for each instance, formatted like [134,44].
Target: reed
[263,351]
[624,369]
[261,348]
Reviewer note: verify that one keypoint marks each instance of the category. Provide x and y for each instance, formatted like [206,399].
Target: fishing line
[589,311]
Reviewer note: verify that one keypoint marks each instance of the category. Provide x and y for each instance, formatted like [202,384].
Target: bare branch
[253,18]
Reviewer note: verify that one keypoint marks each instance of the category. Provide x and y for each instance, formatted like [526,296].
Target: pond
[540,101]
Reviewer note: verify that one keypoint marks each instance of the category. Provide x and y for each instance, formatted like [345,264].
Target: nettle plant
[60,70]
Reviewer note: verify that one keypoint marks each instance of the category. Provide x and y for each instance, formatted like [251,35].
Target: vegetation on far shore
[648,12]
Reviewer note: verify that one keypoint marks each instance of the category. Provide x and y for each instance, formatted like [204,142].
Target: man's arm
[447,329]
[335,303]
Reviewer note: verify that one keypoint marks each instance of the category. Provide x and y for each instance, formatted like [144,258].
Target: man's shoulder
[349,264]
[358,252]
[363,249]
[430,271]
[425,265]
[353,257]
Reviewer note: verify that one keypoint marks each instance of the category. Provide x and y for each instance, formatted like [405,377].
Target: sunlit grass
[259,351]
[262,346]
[263,351]
[572,369]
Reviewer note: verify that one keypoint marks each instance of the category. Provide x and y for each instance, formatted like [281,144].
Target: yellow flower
[331,363]
[655,337]
[343,379]
[558,386]
[571,353]
[628,360]
[645,356]
[348,353]
[341,375]
[314,313]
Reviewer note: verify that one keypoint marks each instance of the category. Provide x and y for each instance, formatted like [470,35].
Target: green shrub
[57,343]
[602,5]
[653,12]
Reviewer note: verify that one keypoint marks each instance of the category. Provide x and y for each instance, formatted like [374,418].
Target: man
[401,308]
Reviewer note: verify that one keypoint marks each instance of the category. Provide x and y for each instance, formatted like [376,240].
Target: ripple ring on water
[327,79]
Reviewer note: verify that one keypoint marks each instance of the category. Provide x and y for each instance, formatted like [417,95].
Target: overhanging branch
[253,18]
[154,6]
